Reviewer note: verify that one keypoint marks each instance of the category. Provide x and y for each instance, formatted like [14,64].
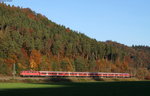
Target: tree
[35,60]
[79,64]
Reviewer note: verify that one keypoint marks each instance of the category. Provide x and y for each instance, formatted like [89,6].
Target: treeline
[33,42]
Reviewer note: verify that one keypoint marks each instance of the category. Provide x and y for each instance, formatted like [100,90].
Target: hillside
[33,42]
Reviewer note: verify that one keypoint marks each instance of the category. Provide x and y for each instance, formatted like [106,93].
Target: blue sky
[123,21]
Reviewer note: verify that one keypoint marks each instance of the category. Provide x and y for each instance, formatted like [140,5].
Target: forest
[33,42]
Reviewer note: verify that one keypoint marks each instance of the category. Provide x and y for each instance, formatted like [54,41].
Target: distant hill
[33,42]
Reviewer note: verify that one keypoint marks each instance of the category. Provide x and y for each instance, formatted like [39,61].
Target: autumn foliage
[35,59]
[33,42]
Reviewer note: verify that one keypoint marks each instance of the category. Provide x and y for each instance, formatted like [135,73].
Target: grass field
[76,89]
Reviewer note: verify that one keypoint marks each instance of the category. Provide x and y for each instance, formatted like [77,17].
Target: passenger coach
[73,74]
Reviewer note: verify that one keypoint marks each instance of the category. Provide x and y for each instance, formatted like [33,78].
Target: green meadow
[137,88]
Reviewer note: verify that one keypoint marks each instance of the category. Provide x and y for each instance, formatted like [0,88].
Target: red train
[73,74]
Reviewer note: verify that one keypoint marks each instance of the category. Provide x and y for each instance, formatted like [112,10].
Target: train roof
[77,72]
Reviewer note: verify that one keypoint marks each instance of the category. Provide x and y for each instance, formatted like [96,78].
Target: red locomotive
[73,74]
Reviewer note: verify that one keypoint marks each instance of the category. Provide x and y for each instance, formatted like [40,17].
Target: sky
[123,21]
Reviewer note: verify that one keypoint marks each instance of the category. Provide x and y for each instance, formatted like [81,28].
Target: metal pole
[14,70]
